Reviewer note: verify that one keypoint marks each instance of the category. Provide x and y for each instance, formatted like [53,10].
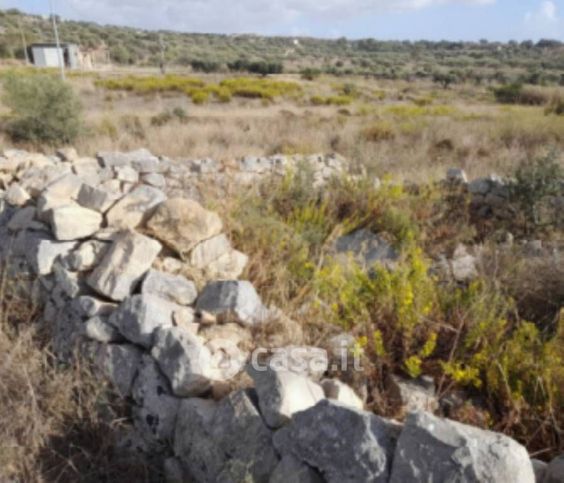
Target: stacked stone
[148,286]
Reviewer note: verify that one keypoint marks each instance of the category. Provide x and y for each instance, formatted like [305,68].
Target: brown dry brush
[57,422]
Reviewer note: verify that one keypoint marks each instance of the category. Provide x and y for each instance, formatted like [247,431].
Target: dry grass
[56,423]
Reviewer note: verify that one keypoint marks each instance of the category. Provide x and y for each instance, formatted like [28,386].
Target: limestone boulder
[139,316]
[184,360]
[72,222]
[282,393]
[135,207]
[182,224]
[99,329]
[97,199]
[175,288]
[344,444]
[366,249]
[124,265]
[233,299]
[433,449]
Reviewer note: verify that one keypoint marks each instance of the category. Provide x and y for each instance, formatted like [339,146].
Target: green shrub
[43,109]
[508,94]
[534,181]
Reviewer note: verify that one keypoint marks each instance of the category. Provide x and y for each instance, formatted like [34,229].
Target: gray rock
[365,248]
[184,359]
[175,288]
[555,471]
[232,298]
[282,393]
[127,174]
[539,467]
[414,394]
[24,219]
[120,364]
[87,256]
[225,442]
[456,175]
[74,222]
[96,199]
[154,179]
[463,265]
[433,449]
[290,469]
[135,207]
[97,328]
[173,471]
[125,264]
[89,306]
[344,444]
[480,186]
[71,283]
[210,250]
[43,253]
[139,316]
[157,408]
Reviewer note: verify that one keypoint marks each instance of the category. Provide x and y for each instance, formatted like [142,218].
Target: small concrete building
[48,55]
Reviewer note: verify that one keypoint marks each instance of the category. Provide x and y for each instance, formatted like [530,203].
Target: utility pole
[24,43]
[57,41]
[162,49]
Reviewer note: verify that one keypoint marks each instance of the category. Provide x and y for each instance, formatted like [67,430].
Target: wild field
[409,130]
[497,340]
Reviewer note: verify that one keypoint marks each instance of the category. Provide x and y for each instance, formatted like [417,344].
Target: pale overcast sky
[384,19]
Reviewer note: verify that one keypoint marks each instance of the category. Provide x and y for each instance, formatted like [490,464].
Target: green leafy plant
[43,109]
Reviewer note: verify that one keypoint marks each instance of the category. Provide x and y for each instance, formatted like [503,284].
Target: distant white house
[48,55]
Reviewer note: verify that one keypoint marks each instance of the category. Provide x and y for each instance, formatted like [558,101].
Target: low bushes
[43,109]
[472,336]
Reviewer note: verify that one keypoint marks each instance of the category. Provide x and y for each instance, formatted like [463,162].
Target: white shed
[48,55]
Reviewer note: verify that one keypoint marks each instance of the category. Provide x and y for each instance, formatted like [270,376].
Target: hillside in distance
[540,62]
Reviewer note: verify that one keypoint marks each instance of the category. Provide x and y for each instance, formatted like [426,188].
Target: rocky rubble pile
[147,286]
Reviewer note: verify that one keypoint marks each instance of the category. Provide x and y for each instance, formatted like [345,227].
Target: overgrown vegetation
[475,337]
[43,109]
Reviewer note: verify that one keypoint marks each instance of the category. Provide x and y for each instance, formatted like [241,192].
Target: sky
[495,20]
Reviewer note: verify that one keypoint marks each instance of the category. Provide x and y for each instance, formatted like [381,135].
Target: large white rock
[140,315]
[184,359]
[96,199]
[74,222]
[233,299]
[43,253]
[175,288]
[182,224]
[283,393]
[436,450]
[345,445]
[128,259]
[135,207]
[210,250]
[16,195]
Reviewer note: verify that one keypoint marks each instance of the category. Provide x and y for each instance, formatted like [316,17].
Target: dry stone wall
[132,272]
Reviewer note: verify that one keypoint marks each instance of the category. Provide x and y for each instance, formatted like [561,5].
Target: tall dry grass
[57,423]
